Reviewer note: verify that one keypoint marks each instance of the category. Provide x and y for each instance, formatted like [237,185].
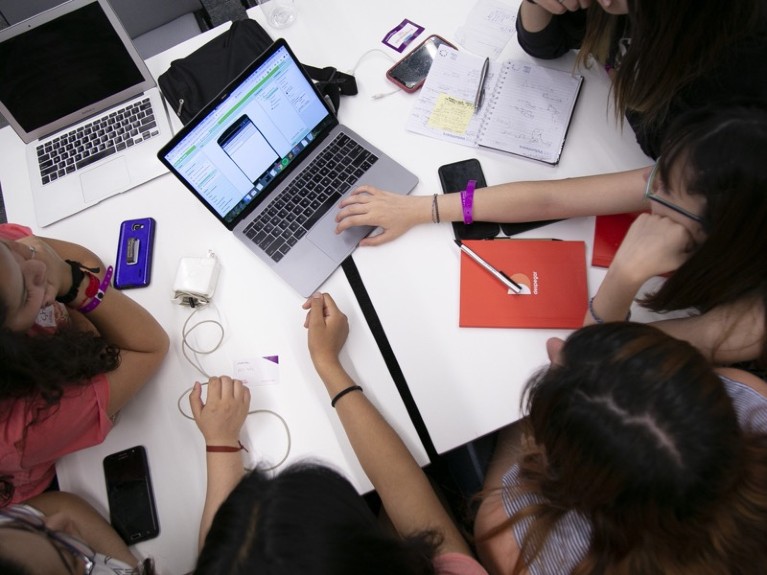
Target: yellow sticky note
[451,114]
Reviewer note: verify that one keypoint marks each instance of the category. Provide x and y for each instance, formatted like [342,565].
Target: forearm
[124,323]
[614,297]
[727,334]
[402,485]
[142,342]
[93,528]
[532,17]
[614,193]
[225,470]
[118,318]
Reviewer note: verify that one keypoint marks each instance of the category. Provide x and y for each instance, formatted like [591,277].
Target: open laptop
[78,94]
[269,159]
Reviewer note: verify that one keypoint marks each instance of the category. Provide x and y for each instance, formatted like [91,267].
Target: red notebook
[553,276]
[609,232]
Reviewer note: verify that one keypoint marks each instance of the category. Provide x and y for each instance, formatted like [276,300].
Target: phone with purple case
[134,253]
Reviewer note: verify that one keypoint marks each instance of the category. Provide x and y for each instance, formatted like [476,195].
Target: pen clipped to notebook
[497,274]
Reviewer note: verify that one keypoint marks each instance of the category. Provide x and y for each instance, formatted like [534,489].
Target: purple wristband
[96,299]
[467,201]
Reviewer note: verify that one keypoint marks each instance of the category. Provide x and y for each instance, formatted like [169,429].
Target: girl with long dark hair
[73,351]
[635,457]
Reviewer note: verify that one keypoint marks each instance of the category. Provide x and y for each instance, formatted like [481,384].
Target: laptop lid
[66,64]
[251,136]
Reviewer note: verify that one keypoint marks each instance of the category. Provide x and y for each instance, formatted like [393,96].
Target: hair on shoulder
[719,152]
[308,519]
[636,434]
[41,365]
[671,45]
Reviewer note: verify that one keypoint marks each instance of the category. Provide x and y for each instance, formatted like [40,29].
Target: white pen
[497,274]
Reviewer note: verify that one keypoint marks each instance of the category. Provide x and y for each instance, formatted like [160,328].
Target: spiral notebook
[526,110]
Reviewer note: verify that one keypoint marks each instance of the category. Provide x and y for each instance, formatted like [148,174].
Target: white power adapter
[196,280]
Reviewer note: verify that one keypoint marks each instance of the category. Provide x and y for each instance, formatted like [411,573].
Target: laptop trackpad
[337,246]
[103,181]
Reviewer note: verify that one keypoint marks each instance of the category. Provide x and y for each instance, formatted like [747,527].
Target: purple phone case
[134,253]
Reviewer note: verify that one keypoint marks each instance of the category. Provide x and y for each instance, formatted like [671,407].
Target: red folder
[609,232]
[553,275]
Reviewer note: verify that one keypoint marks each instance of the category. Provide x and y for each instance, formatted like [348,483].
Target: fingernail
[317,295]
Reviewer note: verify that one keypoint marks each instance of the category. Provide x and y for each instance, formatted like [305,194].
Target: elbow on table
[161,345]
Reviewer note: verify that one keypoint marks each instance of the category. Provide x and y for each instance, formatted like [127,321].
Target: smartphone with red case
[133,267]
[411,71]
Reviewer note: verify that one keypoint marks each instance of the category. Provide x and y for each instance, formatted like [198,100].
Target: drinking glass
[279,13]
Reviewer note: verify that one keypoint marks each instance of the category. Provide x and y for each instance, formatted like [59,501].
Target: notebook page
[445,105]
[530,111]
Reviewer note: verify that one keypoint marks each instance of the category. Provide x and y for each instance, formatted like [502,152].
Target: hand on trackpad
[337,246]
[102,181]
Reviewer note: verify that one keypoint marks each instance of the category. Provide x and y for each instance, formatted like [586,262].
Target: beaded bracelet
[343,392]
[467,201]
[99,295]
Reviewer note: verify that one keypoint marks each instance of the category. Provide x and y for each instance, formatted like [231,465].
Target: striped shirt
[568,542]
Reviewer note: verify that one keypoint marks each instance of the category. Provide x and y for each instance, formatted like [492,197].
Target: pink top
[457,564]
[34,435]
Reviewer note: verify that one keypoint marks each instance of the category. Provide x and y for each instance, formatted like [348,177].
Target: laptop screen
[266,123]
[63,66]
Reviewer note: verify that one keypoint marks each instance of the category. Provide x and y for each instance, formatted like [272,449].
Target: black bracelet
[77,279]
[343,392]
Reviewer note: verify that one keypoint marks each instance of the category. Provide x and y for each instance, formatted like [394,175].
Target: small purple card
[402,35]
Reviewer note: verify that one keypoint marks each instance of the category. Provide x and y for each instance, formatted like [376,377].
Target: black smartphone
[519,227]
[132,509]
[133,267]
[410,72]
[453,178]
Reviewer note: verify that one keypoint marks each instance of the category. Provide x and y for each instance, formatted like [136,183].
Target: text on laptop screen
[63,66]
[247,140]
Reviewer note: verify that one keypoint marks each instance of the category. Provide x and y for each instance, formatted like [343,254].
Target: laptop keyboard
[312,193]
[92,142]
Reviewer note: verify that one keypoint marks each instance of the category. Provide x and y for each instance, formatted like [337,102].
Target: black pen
[497,274]
[481,88]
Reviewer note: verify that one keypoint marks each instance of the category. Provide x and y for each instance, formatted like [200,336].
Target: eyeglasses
[650,194]
[21,518]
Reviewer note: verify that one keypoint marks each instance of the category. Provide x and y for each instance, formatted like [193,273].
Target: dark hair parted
[308,520]
[672,44]
[636,432]
[719,153]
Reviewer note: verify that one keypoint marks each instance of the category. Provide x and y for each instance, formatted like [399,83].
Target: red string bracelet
[99,295]
[225,448]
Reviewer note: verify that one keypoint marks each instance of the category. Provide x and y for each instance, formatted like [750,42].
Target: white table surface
[465,382]
[262,316]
